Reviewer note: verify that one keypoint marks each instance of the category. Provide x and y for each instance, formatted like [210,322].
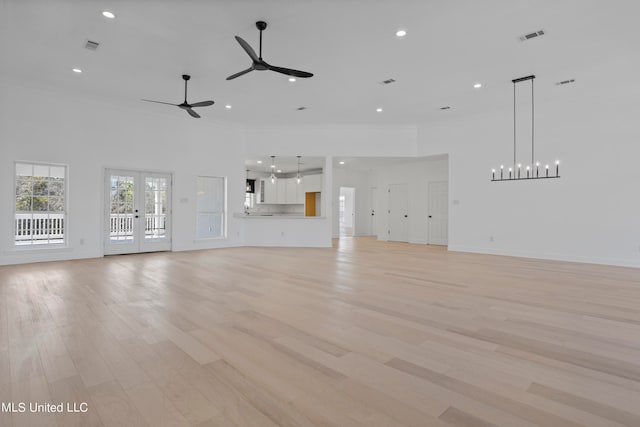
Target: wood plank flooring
[366,333]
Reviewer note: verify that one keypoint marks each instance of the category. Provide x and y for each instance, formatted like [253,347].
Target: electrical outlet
[491,238]
[282,233]
[82,241]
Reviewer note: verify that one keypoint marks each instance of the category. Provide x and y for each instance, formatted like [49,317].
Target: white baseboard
[548,256]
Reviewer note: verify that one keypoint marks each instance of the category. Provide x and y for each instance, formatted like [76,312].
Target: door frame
[165,244]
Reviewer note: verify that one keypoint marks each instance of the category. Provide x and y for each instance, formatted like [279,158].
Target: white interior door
[398,213]
[438,208]
[374,199]
[137,212]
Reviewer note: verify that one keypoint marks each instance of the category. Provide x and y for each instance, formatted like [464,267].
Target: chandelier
[517,171]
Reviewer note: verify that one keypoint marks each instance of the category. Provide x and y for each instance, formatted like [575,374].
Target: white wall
[371,141]
[590,214]
[40,125]
[417,176]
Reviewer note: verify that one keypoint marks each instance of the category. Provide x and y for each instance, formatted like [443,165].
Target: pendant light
[298,177]
[273,168]
[516,173]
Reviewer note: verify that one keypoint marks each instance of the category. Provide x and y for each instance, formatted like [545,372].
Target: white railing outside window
[40,228]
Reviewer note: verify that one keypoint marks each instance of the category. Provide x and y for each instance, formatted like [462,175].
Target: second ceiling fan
[259,64]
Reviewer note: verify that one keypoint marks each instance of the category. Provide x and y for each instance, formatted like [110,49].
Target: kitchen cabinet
[312,183]
[270,191]
[285,191]
[291,191]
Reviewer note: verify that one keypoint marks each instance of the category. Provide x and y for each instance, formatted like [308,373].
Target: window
[248,201]
[211,207]
[40,204]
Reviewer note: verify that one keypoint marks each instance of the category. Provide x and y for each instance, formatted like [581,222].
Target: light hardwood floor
[365,334]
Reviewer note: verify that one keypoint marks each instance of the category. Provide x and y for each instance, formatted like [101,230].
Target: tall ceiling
[349,45]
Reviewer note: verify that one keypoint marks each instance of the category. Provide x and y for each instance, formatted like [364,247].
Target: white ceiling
[349,45]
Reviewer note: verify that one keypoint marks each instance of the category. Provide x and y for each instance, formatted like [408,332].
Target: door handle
[406,216]
[429,216]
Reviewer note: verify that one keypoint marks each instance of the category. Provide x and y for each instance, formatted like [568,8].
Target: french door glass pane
[155,207]
[121,221]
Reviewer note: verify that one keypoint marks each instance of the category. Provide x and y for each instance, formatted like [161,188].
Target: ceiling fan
[185,105]
[259,64]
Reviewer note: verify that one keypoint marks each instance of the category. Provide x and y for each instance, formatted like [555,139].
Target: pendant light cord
[532,124]
[514,126]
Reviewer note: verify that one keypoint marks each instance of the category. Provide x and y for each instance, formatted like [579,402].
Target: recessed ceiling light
[108,14]
[401,33]
[292,79]
[228,107]
[477,85]
[77,70]
[379,110]
[342,163]
[259,162]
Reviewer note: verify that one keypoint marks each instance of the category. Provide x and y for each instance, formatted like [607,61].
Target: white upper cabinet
[287,191]
[312,183]
[270,191]
[291,191]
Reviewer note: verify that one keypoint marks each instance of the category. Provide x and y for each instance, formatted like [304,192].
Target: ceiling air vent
[301,108]
[530,36]
[91,45]
[388,81]
[565,82]
[445,108]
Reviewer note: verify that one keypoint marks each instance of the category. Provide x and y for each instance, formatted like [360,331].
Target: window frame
[40,247]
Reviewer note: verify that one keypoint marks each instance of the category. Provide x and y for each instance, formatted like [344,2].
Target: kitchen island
[273,229]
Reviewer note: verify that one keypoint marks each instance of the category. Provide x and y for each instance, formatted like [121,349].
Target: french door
[137,212]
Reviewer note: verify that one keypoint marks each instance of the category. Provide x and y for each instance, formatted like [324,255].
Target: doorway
[398,213]
[137,212]
[437,206]
[347,211]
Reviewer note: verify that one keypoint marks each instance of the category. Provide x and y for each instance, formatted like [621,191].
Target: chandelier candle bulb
[519,166]
[493,174]
[547,168]
[509,173]
[557,167]
[501,170]
[537,166]
[527,171]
